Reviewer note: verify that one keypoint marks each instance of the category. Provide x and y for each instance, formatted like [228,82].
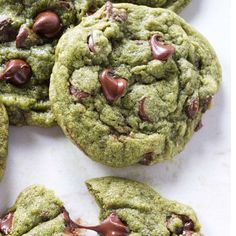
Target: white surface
[199,176]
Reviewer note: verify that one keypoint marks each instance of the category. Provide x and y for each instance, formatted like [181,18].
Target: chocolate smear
[160,50]
[6,223]
[79,95]
[111,226]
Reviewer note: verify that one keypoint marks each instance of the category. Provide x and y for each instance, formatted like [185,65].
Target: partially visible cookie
[131,84]
[3,139]
[142,210]
[37,211]
[29,31]
[88,7]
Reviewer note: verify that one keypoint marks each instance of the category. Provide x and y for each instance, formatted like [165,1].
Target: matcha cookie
[29,31]
[140,211]
[131,83]
[88,7]
[3,140]
[37,212]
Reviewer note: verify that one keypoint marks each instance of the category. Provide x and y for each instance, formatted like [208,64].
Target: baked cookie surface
[3,139]
[87,7]
[131,83]
[142,209]
[29,31]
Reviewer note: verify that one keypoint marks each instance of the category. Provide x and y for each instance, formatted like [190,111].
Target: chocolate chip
[113,86]
[48,24]
[192,108]
[91,43]
[160,50]
[147,159]
[207,103]
[6,223]
[21,37]
[7,31]
[79,95]
[143,116]
[199,126]
[17,72]
[188,226]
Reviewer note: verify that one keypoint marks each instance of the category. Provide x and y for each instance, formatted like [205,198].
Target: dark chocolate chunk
[21,37]
[199,126]
[17,72]
[143,116]
[79,95]
[7,31]
[160,50]
[113,86]
[207,103]
[147,159]
[192,108]
[6,223]
[48,24]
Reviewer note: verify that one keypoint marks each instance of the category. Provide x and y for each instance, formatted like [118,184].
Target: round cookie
[29,31]
[141,209]
[88,7]
[131,83]
[3,140]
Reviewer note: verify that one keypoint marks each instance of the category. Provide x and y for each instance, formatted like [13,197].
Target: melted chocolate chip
[17,72]
[143,116]
[91,44]
[192,108]
[7,31]
[207,103]
[199,126]
[112,226]
[21,37]
[48,24]
[160,50]
[6,223]
[147,159]
[79,95]
[113,86]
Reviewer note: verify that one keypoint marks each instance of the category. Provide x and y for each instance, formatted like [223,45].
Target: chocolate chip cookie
[139,210]
[131,83]
[3,139]
[29,31]
[37,211]
[88,7]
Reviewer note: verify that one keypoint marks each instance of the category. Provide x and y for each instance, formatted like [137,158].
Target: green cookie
[36,212]
[87,7]
[29,30]
[131,83]
[142,209]
[3,139]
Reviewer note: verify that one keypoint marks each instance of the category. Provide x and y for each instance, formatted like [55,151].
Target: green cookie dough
[29,104]
[3,140]
[142,209]
[36,212]
[123,101]
[87,7]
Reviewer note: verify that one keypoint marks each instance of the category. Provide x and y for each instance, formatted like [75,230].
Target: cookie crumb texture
[87,7]
[22,39]
[142,209]
[37,211]
[3,140]
[131,83]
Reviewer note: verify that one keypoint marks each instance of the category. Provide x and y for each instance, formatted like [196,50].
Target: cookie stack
[128,82]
